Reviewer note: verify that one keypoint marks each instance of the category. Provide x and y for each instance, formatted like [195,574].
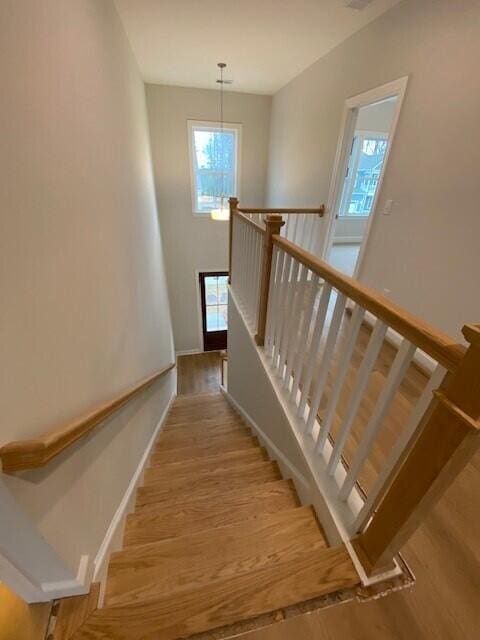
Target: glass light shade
[220,214]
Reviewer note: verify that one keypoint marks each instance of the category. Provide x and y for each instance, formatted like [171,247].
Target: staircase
[218,540]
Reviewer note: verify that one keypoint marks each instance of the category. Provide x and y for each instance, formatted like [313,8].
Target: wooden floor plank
[159,522]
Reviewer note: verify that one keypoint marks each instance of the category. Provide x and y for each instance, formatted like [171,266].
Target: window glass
[214,165]
[363,173]
[216,296]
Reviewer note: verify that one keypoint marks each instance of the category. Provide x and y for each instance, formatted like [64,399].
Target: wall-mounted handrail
[432,341]
[36,452]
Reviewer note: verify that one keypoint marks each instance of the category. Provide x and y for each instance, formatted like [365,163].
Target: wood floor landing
[217,539]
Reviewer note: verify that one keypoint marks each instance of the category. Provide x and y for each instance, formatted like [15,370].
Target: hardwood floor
[199,373]
[444,554]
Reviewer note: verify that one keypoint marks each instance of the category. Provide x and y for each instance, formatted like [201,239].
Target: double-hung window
[215,163]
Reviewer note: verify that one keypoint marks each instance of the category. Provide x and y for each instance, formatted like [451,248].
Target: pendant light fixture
[223,211]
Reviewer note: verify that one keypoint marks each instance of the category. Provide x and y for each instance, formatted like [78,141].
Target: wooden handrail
[319,210]
[435,343]
[252,223]
[30,454]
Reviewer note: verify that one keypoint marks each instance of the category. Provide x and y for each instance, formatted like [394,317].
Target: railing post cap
[233,200]
[471,333]
[274,220]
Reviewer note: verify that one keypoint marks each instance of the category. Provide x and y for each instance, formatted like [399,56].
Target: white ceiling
[265,43]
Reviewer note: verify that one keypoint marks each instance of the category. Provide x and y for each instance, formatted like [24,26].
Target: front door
[214,299]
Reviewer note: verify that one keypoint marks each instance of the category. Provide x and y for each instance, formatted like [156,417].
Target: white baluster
[344,361]
[295,227]
[258,272]
[400,445]
[288,316]
[326,359]
[272,293]
[309,242]
[282,311]
[294,338]
[275,311]
[395,376]
[368,362]
[303,337]
[313,348]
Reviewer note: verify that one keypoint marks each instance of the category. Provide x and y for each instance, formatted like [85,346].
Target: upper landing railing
[309,320]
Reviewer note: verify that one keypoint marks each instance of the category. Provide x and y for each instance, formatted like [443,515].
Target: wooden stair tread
[206,423]
[158,522]
[213,446]
[206,463]
[160,568]
[168,478]
[176,438]
[226,601]
[198,398]
[208,483]
[201,412]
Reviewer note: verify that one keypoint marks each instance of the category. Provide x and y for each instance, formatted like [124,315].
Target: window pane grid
[216,297]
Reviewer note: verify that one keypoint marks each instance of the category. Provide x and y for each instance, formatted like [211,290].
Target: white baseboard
[188,352]
[115,528]
[287,468]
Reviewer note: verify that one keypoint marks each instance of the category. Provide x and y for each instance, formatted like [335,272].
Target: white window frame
[209,125]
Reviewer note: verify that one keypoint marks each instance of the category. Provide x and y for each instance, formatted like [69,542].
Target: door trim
[396,88]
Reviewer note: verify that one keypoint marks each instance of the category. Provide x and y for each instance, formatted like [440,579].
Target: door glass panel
[363,173]
[216,296]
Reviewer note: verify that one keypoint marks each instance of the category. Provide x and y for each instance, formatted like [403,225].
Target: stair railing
[307,318]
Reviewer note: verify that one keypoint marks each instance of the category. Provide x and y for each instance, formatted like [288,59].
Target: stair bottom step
[225,602]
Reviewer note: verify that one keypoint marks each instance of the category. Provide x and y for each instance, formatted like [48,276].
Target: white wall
[85,312]
[193,243]
[432,176]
